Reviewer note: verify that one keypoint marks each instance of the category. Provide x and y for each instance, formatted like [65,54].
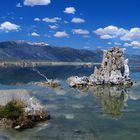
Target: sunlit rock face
[114,70]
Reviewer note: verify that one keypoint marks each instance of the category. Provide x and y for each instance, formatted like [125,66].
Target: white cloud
[19,5]
[66,22]
[133,34]
[106,36]
[8,26]
[51,20]
[37,19]
[35,34]
[110,32]
[127,44]
[117,43]
[70,10]
[124,49]
[109,43]
[53,26]
[36,2]
[135,44]
[80,31]
[61,34]
[78,20]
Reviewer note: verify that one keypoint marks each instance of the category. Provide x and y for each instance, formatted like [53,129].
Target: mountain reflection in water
[18,75]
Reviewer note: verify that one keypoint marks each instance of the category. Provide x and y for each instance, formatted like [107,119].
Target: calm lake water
[99,113]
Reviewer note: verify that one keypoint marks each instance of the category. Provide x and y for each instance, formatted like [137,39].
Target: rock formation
[19,110]
[114,70]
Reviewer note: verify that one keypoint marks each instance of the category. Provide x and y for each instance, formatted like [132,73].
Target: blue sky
[83,24]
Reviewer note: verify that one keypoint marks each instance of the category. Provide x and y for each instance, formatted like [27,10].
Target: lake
[97,113]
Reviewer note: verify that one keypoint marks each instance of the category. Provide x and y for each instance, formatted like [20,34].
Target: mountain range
[17,50]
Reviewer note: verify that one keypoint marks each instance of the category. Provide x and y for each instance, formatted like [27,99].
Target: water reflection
[76,112]
[113,98]
[17,75]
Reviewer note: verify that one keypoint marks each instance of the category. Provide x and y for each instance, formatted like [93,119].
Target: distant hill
[41,51]
[15,50]
[133,59]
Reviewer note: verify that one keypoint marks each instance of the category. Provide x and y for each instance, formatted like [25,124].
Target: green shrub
[11,110]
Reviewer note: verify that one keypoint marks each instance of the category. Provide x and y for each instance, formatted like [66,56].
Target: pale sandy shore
[29,63]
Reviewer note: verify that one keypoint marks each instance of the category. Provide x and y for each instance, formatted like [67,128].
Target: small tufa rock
[27,115]
[76,81]
[49,83]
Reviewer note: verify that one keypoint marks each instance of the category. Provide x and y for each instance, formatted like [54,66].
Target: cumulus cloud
[19,5]
[127,44]
[117,43]
[51,20]
[70,10]
[37,19]
[36,2]
[106,36]
[53,26]
[110,32]
[133,34]
[35,34]
[80,31]
[8,26]
[78,20]
[61,34]
[135,44]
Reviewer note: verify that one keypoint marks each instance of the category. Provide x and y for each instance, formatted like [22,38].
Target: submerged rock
[49,83]
[114,70]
